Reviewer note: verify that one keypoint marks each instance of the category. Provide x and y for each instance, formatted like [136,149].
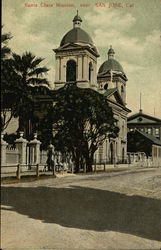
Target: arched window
[90,69]
[106,86]
[123,129]
[111,153]
[71,71]
[122,89]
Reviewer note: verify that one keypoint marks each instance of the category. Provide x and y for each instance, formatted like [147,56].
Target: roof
[110,64]
[153,139]
[141,118]
[76,35]
[118,99]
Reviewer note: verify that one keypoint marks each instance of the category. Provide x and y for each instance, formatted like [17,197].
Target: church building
[76,61]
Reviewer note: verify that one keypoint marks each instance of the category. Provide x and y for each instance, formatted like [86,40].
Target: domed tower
[112,83]
[76,58]
[111,75]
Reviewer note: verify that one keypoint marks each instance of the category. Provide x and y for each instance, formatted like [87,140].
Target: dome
[76,35]
[110,64]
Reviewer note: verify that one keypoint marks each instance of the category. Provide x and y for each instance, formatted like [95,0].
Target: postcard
[81,101]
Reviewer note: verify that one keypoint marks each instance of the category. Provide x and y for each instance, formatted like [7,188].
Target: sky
[132,27]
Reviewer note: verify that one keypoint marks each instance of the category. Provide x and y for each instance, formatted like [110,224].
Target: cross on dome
[77,21]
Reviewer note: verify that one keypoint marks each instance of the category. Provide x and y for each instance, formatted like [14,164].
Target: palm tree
[5,50]
[28,68]
[29,71]
[7,79]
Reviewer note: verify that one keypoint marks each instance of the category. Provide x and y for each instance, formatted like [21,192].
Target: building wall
[147,128]
[83,58]
[117,82]
[156,155]
[119,144]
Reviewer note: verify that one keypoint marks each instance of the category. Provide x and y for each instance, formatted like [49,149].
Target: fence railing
[19,170]
[12,155]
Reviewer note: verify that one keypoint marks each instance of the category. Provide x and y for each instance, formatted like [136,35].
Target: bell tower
[111,75]
[76,58]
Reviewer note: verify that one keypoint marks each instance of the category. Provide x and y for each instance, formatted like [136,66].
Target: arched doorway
[123,155]
[111,153]
[71,71]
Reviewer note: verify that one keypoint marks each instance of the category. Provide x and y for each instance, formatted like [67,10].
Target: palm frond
[38,71]
[37,81]
[5,38]
[36,62]
[5,51]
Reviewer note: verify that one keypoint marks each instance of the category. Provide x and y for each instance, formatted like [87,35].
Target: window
[149,131]
[90,69]
[140,119]
[146,130]
[122,89]
[106,86]
[157,131]
[71,71]
[123,129]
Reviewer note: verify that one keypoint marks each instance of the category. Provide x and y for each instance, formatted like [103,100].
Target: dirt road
[120,210]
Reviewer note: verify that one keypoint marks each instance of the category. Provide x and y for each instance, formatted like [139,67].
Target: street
[120,210]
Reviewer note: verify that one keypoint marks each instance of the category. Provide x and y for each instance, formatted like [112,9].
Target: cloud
[140,56]
[109,20]
[23,40]
[114,27]
[138,52]
[131,68]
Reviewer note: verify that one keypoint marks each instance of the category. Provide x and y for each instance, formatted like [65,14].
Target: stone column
[79,68]
[35,150]
[86,68]
[3,150]
[63,68]
[57,69]
[21,145]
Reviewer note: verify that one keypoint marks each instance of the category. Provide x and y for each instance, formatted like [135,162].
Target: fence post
[3,150]
[35,150]
[21,144]
[95,167]
[72,168]
[37,170]
[54,169]
[85,168]
[18,174]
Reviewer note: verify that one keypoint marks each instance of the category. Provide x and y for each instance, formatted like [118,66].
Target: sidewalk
[29,176]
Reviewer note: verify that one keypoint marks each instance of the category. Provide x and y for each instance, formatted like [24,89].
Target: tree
[28,69]
[5,50]
[81,120]
[8,79]
[26,72]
